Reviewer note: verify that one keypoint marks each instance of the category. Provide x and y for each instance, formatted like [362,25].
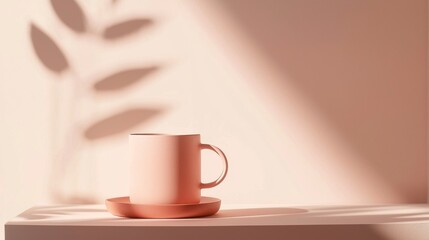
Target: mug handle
[225,166]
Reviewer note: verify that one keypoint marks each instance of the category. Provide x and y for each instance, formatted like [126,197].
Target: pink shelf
[232,222]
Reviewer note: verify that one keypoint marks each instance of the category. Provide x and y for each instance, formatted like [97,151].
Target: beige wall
[314,102]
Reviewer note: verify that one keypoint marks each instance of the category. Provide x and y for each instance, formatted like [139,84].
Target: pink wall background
[314,102]
[352,63]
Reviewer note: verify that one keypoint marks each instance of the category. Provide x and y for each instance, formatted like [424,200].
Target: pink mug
[166,169]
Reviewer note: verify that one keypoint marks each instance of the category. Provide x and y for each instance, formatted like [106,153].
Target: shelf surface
[232,221]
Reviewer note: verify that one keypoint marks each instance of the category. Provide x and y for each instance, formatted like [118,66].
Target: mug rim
[164,134]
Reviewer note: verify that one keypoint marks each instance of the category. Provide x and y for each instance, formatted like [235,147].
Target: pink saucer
[122,207]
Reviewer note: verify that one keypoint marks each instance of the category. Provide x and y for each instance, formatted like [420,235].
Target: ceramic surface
[122,207]
[166,169]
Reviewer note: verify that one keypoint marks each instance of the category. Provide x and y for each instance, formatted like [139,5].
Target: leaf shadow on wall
[70,14]
[119,123]
[47,51]
[54,57]
[123,79]
[363,76]
[126,28]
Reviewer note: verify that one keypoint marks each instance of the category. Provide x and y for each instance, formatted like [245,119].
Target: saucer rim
[121,207]
[209,200]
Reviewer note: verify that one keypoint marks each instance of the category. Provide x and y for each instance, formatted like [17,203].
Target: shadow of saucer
[257,212]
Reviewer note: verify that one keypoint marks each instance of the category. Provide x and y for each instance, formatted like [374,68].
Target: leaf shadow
[119,123]
[44,213]
[70,14]
[123,78]
[126,28]
[258,212]
[47,51]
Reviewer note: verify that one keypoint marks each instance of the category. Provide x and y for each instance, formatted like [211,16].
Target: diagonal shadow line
[337,58]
